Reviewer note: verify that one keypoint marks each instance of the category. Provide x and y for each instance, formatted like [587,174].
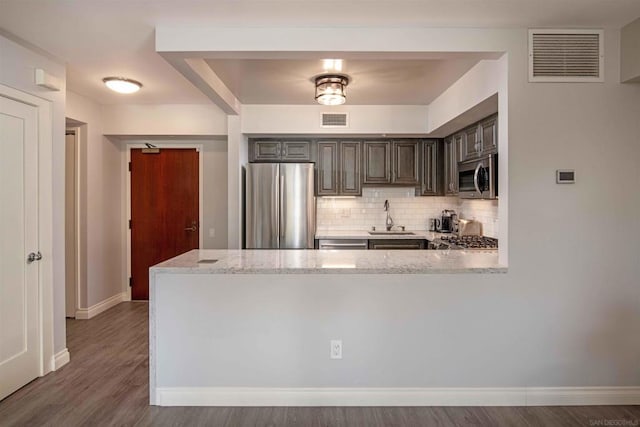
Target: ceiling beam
[198,72]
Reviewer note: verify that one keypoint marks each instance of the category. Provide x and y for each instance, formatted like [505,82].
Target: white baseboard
[60,359]
[94,310]
[510,396]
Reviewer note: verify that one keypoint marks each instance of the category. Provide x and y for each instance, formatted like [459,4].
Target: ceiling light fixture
[122,85]
[330,89]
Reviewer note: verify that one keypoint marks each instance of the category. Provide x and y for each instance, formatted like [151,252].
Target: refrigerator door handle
[281,195]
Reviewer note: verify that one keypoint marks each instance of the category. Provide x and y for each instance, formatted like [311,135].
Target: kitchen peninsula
[221,320]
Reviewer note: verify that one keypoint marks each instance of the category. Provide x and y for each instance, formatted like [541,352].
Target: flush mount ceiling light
[330,89]
[122,85]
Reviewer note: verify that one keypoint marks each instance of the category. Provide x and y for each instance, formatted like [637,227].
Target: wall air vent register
[334,120]
[566,56]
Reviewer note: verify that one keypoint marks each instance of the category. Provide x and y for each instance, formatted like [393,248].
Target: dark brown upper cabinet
[431,170]
[269,150]
[350,181]
[452,148]
[391,162]
[489,135]
[265,150]
[338,166]
[480,139]
[327,168]
[405,165]
[470,139]
[377,162]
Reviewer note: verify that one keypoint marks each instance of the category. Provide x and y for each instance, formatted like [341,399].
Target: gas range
[464,242]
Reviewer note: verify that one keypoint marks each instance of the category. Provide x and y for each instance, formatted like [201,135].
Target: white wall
[17,67]
[566,314]
[166,119]
[630,53]
[305,119]
[100,219]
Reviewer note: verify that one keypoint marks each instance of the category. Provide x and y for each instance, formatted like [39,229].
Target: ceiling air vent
[334,120]
[566,55]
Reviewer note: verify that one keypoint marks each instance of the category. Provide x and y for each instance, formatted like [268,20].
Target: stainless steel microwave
[478,179]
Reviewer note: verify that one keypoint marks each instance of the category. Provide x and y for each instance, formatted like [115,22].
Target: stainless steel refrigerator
[280,206]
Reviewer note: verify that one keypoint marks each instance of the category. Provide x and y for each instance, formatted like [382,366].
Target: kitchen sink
[392,233]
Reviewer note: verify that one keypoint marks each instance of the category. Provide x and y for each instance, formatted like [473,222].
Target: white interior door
[19,323]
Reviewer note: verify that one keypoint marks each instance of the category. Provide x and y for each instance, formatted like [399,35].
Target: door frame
[76,225]
[163,146]
[45,223]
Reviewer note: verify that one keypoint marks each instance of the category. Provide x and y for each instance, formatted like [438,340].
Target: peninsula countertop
[299,261]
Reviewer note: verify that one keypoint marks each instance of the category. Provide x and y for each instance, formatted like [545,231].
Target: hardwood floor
[106,383]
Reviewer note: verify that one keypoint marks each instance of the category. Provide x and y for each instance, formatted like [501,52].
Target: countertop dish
[273,261]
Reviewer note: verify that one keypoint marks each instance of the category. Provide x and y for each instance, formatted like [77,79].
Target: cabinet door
[470,143]
[350,179]
[377,162]
[266,150]
[430,171]
[327,168]
[451,149]
[489,136]
[296,150]
[405,163]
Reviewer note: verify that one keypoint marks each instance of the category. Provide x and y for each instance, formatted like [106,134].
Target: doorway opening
[71,221]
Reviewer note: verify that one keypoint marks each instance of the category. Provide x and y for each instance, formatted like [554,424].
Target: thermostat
[565,176]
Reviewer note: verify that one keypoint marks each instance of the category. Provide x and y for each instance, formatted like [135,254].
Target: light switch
[212,232]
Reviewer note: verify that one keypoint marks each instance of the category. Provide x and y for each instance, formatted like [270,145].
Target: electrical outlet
[212,232]
[336,349]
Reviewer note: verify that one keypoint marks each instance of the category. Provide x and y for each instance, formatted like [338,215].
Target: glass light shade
[330,89]
[122,85]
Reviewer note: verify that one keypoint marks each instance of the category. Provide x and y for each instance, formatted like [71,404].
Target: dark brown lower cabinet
[390,244]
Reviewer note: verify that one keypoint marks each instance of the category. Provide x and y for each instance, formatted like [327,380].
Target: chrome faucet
[389,221]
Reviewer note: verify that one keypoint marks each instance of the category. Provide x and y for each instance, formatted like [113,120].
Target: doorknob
[34,257]
[194,227]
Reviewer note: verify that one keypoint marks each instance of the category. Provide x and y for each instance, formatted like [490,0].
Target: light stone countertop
[294,261]
[364,234]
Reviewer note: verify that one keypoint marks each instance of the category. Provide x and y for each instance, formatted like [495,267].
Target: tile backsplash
[361,213]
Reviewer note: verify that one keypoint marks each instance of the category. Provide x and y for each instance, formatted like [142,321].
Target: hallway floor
[106,383]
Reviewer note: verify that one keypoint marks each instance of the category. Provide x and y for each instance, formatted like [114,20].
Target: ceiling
[98,38]
[386,82]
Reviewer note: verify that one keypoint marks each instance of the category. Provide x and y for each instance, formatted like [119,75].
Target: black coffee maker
[448,221]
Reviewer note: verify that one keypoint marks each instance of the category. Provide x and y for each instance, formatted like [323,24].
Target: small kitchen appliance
[469,227]
[434,224]
[448,221]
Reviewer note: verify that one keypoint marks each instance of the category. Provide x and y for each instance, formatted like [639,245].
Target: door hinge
[129,224]
[131,282]
[129,166]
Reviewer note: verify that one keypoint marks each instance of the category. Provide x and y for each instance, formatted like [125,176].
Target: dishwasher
[343,244]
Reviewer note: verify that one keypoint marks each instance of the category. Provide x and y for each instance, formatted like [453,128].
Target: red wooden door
[164,210]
